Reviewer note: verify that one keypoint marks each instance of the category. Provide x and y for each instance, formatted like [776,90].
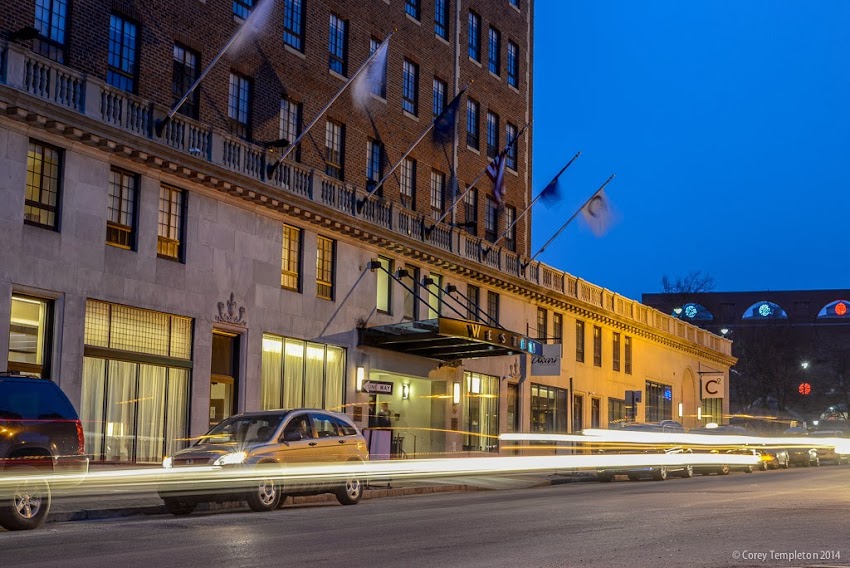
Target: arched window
[765,310]
[692,311]
[836,309]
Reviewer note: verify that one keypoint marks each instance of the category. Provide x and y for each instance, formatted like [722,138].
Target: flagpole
[362,202]
[527,209]
[160,124]
[271,168]
[474,182]
[564,226]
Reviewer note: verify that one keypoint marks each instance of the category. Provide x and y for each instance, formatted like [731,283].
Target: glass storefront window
[712,410]
[482,412]
[659,402]
[298,374]
[548,409]
[29,344]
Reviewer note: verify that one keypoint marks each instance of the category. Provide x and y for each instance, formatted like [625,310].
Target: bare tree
[695,282]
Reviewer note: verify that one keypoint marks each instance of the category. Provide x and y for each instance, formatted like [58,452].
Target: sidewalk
[125,503]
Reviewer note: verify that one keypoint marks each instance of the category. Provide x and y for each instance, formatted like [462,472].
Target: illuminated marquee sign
[492,335]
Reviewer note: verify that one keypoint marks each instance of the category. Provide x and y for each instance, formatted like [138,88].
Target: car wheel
[605,477]
[178,505]
[26,508]
[634,477]
[265,496]
[687,472]
[351,492]
[748,469]
[724,470]
[660,474]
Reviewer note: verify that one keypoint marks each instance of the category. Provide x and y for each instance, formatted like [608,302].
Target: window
[580,341]
[492,134]
[491,220]
[338,45]
[51,19]
[121,214]
[183,75]
[293,23]
[615,345]
[411,8]
[298,374]
[659,402]
[410,277]
[474,36]
[379,89]
[374,165]
[597,346]
[242,8]
[548,409]
[435,295]
[493,307]
[595,412]
[123,43]
[473,296]
[441,18]
[290,267]
[470,210]
[172,203]
[510,224]
[472,123]
[290,124]
[494,47]
[513,64]
[239,105]
[481,408]
[514,3]
[627,364]
[712,410]
[384,301]
[410,88]
[407,183]
[43,191]
[511,154]
[578,413]
[439,97]
[30,336]
[616,412]
[558,327]
[325,252]
[438,188]
[542,325]
[334,133]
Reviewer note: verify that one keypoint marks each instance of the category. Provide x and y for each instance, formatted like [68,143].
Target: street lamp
[804,364]
[724,331]
[677,310]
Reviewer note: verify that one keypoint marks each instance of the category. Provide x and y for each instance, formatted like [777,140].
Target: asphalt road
[704,521]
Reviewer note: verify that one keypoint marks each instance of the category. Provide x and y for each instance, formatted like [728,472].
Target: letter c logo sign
[712,386]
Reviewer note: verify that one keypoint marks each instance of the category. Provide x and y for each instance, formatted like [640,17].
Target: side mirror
[292,436]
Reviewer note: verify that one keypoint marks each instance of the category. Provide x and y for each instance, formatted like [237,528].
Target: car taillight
[81,438]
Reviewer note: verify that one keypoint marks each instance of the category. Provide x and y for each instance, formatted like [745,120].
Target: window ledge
[378,98]
[514,89]
[294,51]
[496,77]
[333,73]
[475,62]
[518,11]
[511,171]
[410,116]
[441,39]
[474,150]
[412,19]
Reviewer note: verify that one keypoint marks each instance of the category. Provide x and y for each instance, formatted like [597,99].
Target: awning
[448,339]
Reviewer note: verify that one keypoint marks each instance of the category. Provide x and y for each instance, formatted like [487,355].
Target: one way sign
[378,387]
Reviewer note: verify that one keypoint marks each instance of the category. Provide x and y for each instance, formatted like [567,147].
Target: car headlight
[231,459]
[167,462]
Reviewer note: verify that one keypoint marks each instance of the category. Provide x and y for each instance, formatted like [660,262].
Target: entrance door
[513,408]
[224,376]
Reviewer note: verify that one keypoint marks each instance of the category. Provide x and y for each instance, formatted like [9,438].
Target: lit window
[120,222]
[44,168]
[384,285]
[325,249]
[290,274]
[29,336]
[170,227]
[597,346]
[580,341]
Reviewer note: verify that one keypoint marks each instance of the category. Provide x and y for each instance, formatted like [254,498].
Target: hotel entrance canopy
[448,339]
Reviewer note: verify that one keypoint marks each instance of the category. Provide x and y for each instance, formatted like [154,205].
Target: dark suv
[40,433]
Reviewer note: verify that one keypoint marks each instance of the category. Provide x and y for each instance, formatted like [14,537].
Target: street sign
[377,387]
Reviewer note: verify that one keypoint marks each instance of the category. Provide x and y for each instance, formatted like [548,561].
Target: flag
[444,125]
[551,193]
[372,79]
[597,213]
[496,172]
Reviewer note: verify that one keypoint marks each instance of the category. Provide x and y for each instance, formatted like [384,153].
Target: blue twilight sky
[727,123]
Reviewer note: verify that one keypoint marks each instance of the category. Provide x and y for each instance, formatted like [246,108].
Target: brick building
[167,277]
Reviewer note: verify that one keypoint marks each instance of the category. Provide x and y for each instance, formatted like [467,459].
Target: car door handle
[312,443]
[342,441]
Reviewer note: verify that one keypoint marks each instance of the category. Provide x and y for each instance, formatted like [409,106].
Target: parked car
[776,458]
[827,453]
[40,433]
[656,472]
[258,439]
[803,456]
